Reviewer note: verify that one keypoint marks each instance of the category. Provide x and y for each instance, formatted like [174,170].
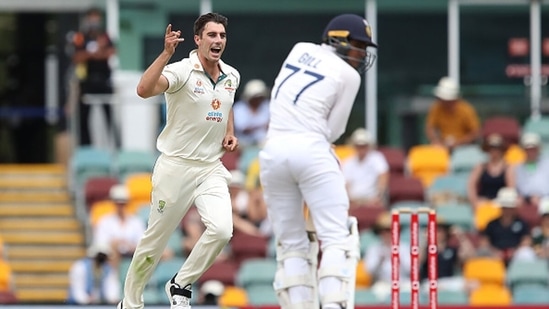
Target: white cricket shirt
[313,93]
[197,110]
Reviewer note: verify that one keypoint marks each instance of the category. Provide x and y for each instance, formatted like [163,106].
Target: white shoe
[180,298]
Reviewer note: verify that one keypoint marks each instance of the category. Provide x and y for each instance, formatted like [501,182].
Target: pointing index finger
[168,29]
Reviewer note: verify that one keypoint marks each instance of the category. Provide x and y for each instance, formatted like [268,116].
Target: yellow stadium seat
[100,209]
[343,152]
[484,271]
[491,295]
[363,278]
[140,187]
[427,162]
[484,213]
[515,155]
[233,297]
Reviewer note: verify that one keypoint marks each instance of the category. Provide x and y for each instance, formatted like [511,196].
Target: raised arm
[152,82]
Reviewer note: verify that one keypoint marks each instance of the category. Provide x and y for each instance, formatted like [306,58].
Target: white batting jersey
[197,110]
[313,93]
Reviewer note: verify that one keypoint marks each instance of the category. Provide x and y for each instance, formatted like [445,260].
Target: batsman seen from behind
[199,92]
[311,101]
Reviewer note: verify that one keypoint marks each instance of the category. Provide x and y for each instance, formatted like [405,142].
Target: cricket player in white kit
[311,100]
[199,92]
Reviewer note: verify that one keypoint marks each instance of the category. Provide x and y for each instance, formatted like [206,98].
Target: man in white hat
[451,120]
[251,114]
[366,172]
[532,176]
[508,235]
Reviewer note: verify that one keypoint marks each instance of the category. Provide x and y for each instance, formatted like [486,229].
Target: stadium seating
[427,162]
[363,278]
[448,297]
[233,296]
[450,187]
[365,297]
[366,216]
[245,246]
[343,152]
[465,158]
[87,162]
[396,159]
[539,126]
[491,295]
[261,295]
[531,294]
[97,189]
[139,187]
[484,213]
[506,126]
[230,160]
[457,214]
[256,272]
[528,272]
[133,162]
[485,271]
[514,155]
[403,188]
[223,270]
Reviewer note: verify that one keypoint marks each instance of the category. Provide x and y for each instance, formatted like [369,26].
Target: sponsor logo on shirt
[213,115]
[198,89]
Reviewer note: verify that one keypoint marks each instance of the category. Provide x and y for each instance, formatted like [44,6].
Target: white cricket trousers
[300,168]
[177,184]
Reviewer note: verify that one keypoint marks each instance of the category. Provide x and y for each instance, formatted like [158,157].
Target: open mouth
[215,50]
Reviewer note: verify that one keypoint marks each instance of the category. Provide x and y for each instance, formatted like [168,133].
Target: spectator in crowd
[93,279]
[540,234]
[507,236]
[366,172]
[210,291]
[488,177]
[120,230]
[451,121]
[91,51]
[6,275]
[251,114]
[532,176]
[249,210]
[450,257]
[377,259]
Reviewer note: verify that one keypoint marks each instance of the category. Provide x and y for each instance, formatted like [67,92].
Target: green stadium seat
[365,297]
[465,158]
[256,271]
[261,295]
[531,294]
[523,272]
[539,126]
[133,162]
[457,214]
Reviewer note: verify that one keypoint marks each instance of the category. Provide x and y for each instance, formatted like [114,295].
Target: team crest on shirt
[229,86]
[198,89]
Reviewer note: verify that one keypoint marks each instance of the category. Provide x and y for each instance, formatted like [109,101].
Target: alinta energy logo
[214,115]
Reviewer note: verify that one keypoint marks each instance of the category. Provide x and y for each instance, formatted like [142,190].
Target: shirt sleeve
[176,73]
[431,116]
[77,277]
[380,163]
[339,115]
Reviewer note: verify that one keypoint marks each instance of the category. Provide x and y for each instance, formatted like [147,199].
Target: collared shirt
[197,110]
[533,179]
[457,123]
[313,94]
[361,176]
